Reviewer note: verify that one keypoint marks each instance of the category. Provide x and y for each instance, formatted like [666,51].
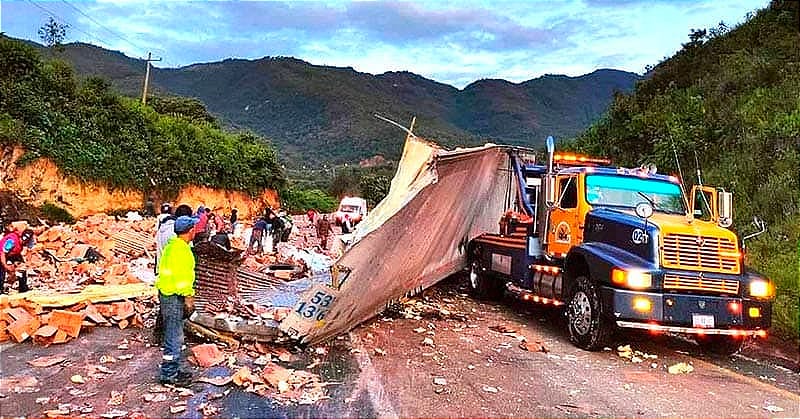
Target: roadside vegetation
[95,134]
[732,96]
[319,186]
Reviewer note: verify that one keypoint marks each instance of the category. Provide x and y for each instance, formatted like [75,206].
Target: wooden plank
[92,293]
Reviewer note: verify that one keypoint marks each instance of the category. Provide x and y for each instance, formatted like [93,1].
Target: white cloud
[454,42]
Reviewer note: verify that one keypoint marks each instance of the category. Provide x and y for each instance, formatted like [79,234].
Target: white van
[353,207]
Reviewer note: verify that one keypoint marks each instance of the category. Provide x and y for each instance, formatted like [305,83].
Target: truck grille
[726,286]
[700,253]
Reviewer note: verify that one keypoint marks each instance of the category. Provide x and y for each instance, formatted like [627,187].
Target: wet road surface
[443,357]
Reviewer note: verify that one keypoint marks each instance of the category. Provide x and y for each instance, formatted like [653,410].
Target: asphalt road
[387,368]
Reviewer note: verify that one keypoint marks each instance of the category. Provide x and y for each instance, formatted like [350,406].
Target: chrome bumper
[691,330]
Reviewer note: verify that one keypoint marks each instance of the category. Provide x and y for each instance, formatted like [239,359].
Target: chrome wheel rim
[581,313]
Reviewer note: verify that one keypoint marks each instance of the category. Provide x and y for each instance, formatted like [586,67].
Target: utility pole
[147,77]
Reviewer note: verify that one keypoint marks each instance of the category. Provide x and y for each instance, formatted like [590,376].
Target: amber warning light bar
[569,159]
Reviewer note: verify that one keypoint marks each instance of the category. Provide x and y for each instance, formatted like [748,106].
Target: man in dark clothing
[11,246]
[324,229]
[257,234]
[234,218]
[277,229]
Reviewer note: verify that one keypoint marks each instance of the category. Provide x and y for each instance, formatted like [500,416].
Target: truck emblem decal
[701,304]
[563,233]
[700,241]
[639,236]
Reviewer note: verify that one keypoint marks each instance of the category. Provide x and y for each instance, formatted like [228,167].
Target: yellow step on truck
[621,248]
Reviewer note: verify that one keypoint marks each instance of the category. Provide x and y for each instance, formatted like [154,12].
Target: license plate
[702,320]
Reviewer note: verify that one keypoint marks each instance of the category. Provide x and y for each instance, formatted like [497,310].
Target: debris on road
[535,346]
[46,361]
[773,409]
[115,413]
[217,381]
[490,389]
[77,379]
[154,397]
[635,356]
[207,355]
[680,368]
[19,384]
[503,329]
[116,398]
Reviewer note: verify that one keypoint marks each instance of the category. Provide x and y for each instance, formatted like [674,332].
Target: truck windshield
[349,208]
[623,191]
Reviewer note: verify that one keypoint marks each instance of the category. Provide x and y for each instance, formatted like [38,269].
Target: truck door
[564,231]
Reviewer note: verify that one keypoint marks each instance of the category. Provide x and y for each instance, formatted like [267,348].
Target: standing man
[175,286]
[234,219]
[347,226]
[257,234]
[166,231]
[201,229]
[166,211]
[324,229]
[11,246]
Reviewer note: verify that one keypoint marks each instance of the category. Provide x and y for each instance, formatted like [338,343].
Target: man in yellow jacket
[175,284]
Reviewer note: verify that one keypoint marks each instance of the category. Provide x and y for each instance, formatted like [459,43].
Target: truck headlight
[632,279]
[760,288]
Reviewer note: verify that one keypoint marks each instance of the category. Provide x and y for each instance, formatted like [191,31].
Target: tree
[53,33]
[374,188]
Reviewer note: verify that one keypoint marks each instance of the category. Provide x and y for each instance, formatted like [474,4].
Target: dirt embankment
[41,181]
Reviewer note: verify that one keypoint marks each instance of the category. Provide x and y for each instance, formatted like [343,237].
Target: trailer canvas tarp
[418,235]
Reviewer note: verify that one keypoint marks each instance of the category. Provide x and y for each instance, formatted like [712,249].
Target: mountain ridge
[316,113]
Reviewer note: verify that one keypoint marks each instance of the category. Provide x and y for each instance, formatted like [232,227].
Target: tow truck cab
[618,248]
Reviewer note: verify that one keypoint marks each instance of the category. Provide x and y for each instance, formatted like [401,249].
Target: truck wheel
[588,328]
[719,344]
[480,285]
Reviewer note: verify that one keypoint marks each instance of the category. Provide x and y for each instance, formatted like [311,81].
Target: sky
[453,42]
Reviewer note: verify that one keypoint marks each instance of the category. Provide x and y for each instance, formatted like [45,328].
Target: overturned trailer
[418,235]
[438,201]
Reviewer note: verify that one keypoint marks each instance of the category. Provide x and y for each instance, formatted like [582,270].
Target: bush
[301,200]
[96,135]
[56,214]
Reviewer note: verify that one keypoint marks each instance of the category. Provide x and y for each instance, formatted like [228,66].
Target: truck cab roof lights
[579,160]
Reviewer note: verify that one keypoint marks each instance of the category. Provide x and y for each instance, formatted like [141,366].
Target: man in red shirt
[11,246]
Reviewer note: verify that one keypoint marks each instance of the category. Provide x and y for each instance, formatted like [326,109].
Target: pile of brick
[63,255]
[80,277]
[51,318]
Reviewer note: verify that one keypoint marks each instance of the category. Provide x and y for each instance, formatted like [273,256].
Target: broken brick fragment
[208,355]
[67,321]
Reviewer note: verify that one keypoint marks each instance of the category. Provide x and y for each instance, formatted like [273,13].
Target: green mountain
[319,113]
[730,98]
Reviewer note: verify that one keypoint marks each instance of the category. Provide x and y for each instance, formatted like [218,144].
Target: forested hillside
[95,134]
[732,96]
[325,114]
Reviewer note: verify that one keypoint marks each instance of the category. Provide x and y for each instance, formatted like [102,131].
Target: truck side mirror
[551,190]
[725,205]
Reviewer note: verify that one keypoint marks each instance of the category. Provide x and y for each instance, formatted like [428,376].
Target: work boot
[23,282]
[181,379]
